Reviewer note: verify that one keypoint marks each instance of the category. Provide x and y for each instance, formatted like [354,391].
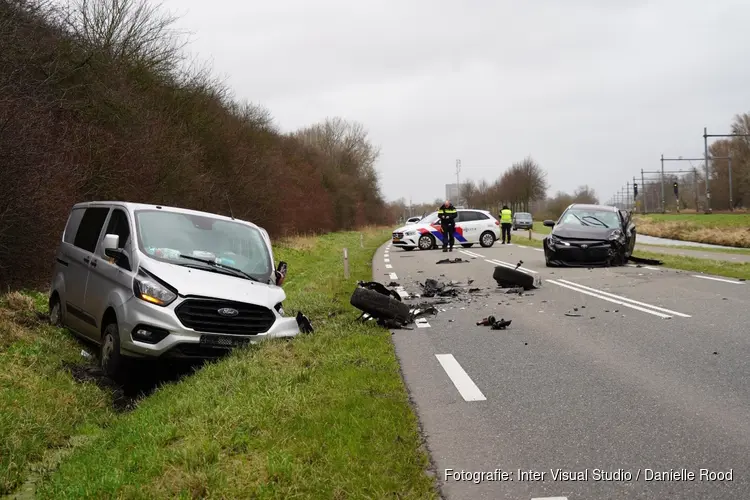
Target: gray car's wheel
[55,312]
[110,358]
[426,242]
[487,239]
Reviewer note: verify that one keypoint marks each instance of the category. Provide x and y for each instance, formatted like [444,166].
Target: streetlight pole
[706,135]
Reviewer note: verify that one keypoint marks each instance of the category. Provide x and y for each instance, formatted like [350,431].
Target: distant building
[451,193]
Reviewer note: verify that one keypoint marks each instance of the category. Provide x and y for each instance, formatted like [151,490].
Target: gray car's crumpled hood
[576,232]
[189,281]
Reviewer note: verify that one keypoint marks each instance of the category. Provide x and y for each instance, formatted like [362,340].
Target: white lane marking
[387,260]
[538,249]
[393,276]
[471,254]
[644,267]
[388,266]
[466,387]
[620,297]
[422,323]
[403,293]
[734,282]
[511,266]
[664,316]
[550,498]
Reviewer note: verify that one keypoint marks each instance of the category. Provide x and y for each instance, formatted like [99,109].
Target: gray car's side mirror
[549,223]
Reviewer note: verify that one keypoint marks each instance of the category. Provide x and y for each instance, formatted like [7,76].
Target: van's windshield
[166,235]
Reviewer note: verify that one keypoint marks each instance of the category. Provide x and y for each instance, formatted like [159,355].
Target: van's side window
[118,224]
[74,222]
[90,228]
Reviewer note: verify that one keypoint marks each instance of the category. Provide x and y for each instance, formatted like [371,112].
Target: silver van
[149,281]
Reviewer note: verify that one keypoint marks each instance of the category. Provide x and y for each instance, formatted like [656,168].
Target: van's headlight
[150,290]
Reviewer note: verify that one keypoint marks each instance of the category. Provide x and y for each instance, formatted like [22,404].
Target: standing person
[447,214]
[506,222]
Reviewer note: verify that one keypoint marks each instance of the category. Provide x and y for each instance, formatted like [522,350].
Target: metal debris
[457,260]
[495,324]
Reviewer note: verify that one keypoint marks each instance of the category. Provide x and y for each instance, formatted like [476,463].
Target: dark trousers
[506,230]
[448,236]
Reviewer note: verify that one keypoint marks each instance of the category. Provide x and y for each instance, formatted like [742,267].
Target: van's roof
[131,207]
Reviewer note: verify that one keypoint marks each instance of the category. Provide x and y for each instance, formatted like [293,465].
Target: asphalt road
[625,389]
[698,254]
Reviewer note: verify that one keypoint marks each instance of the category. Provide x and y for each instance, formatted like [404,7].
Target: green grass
[322,416]
[704,220]
[540,228]
[41,406]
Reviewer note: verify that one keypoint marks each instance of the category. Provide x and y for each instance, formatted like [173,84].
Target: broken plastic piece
[502,324]
[457,260]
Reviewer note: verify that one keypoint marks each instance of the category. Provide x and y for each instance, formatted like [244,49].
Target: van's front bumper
[180,341]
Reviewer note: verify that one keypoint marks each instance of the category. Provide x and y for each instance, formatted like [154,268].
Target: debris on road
[514,278]
[494,324]
[648,262]
[457,260]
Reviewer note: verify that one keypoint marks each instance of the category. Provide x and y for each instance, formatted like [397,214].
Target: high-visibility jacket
[506,216]
[447,215]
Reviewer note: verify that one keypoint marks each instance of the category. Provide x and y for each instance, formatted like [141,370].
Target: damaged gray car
[590,235]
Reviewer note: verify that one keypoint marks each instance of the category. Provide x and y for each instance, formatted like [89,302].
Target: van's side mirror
[281,273]
[111,244]
[549,223]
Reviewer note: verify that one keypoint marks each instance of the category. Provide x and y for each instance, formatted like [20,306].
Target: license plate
[223,341]
[396,239]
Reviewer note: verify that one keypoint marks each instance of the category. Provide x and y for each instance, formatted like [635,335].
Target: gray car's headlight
[616,235]
[148,289]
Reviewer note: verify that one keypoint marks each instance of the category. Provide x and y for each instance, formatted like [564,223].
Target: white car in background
[472,226]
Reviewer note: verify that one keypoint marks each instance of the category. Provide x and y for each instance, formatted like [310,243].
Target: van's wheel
[380,306]
[110,359]
[507,277]
[487,239]
[426,242]
[55,311]
[467,245]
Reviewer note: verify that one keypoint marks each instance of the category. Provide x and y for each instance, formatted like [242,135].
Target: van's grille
[203,315]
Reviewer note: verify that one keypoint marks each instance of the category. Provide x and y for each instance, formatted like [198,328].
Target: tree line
[98,102]
[522,187]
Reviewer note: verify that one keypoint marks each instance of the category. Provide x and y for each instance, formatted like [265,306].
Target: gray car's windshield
[600,218]
[166,235]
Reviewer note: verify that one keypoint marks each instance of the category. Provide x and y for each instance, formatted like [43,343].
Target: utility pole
[706,135]
[663,203]
[645,194]
[458,181]
[731,202]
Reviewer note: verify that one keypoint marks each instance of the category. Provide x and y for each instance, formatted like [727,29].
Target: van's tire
[55,312]
[380,306]
[426,242]
[487,239]
[507,277]
[111,360]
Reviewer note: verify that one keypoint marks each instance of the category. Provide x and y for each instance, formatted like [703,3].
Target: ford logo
[584,246]
[228,311]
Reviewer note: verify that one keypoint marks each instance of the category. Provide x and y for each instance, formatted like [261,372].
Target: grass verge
[731,230]
[322,416]
[41,405]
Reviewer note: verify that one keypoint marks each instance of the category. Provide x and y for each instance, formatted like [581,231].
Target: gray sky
[594,90]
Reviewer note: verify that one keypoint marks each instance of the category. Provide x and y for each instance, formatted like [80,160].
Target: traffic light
[676,189]
[635,190]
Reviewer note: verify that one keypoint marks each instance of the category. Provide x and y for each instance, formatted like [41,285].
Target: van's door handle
[93,263]
[86,260]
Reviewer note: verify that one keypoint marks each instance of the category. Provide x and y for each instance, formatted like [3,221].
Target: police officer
[447,214]
[506,222]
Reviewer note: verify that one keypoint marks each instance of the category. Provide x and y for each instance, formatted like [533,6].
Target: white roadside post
[361,240]
[346,263]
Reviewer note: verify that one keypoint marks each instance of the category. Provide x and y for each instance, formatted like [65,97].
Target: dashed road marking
[393,276]
[511,266]
[402,292]
[387,260]
[466,387]
[734,282]
[422,323]
[388,266]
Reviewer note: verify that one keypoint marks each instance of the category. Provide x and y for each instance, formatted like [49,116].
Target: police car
[472,227]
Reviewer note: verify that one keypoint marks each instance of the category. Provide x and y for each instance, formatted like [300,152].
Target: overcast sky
[594,90]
